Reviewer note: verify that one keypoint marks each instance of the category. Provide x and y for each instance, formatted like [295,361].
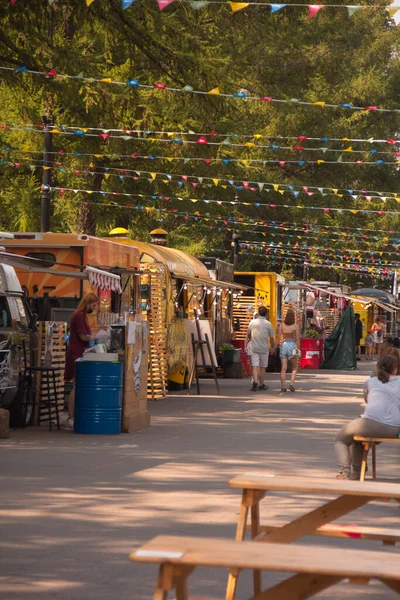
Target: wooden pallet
[51,352]
[241,313]
[157,380]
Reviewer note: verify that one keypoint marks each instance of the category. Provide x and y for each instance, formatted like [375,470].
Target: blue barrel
[98,397]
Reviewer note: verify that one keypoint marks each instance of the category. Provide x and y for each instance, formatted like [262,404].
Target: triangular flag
[276,7]
[216,181]
[235,6]
[153,175]
[313,9]
[214,92]
[127,3]
[261,185]
[321,104]
[89,2]
[352,9]
[163,3]
[393,10]
[196,4]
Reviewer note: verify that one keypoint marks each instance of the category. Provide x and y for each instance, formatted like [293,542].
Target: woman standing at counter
[80,336]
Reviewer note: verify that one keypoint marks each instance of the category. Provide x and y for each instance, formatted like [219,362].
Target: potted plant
[228,352]
[312,333]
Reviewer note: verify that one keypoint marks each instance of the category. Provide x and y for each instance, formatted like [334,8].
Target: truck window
[5,316]
[47,259]
[22,312]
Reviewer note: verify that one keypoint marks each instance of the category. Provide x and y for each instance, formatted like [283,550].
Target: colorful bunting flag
[313,9]
[235,6]
[164,3]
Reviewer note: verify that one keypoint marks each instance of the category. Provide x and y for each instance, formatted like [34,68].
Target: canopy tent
[97,277]
[380,295]
[340,345]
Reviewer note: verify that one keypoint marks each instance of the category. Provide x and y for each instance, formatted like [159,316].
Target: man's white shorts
[259,360]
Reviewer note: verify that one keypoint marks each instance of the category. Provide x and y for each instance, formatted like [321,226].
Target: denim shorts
[287,348]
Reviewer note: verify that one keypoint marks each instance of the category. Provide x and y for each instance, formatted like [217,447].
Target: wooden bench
[348,496]
[315,568]
[370,443]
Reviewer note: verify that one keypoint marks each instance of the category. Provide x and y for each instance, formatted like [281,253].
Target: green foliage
[330,58]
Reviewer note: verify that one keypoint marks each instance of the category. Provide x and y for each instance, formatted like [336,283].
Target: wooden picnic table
[349,495]
[313,568]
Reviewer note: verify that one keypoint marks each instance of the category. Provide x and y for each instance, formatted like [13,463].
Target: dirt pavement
[73,507]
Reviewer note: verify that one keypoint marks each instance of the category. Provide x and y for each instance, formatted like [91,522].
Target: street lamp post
[48,123]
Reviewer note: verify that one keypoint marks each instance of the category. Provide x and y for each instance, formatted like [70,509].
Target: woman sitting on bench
[381,417]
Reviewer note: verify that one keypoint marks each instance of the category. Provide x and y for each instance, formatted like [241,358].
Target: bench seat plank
[360,438]
[211,552]
[317,486]
[385,535]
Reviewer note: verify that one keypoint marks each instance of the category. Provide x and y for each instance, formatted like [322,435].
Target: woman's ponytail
[387,365]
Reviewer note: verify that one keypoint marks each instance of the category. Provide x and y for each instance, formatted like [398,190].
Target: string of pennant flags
[241,94]
[198,217]
[202,141]
[380,272]
[226,222]
[326,210]
[243,162]
[202,138]
[330,256]
[196,180]
[313,9]
[318,249]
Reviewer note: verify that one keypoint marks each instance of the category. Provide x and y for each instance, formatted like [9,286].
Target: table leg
[255,530]
[302,586]
[162,585]
[364,461]
[373,461]
[393,584]
[309,523]
[240,533]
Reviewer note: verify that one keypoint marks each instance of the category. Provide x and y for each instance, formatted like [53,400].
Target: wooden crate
[241,312]
[51,352]
[157,380]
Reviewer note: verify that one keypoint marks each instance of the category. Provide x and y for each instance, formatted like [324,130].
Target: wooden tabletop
[273,557]
[258,481]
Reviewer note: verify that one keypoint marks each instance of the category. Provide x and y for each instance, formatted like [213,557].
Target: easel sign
[210,358]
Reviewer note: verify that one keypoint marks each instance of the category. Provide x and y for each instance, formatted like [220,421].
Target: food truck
[55,271]
[264,289]
[182,292]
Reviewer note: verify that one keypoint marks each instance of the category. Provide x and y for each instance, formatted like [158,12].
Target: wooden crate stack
[157,381]
[51,352]
[331,318]
[242,313]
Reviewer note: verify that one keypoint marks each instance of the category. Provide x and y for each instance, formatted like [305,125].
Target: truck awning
[212,283]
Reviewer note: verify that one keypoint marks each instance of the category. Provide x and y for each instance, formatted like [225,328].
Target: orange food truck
[55,297]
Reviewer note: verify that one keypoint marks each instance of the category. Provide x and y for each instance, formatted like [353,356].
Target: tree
[333,58]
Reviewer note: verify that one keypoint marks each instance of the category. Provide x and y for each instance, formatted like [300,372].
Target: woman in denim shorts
[289,331]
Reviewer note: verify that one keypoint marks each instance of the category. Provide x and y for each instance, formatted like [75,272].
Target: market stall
[123,341]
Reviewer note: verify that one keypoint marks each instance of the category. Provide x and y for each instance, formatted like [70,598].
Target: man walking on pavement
[261,336]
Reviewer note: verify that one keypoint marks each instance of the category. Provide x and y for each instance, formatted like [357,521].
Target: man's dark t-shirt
[359,331]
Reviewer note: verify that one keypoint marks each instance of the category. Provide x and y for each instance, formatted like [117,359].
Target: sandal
[342,476]
[291,388]
[283,390]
